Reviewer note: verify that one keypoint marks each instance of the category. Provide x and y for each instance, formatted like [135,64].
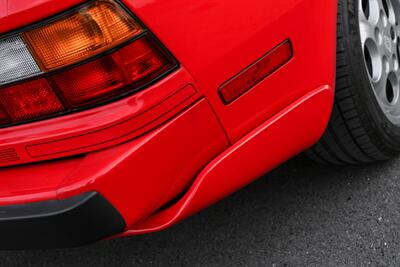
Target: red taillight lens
[100,80]
[142,60]
[103,79]
[29,100]
[90,82]
[4,119]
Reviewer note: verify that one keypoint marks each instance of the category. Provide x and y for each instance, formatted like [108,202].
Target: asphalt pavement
[302,214]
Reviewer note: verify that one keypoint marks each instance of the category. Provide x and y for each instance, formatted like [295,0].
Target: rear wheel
[365,124]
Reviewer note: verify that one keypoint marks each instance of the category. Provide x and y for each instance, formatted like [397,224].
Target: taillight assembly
[91,55]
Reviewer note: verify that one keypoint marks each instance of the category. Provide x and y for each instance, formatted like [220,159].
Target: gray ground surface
[302,214]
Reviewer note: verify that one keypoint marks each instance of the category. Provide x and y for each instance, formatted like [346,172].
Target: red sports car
[123,117]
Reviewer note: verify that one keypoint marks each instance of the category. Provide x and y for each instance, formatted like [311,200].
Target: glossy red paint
[176,137]
[294,127]
[20,13]
[215,40]
[137,177]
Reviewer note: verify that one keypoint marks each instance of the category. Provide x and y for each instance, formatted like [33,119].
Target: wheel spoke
[367,31]
[380,34]
[380,86]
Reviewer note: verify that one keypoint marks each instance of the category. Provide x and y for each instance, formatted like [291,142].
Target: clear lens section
[16,60]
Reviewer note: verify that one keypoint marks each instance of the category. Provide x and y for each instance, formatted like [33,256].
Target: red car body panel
[215,40]
[238,164]
[15,14]
[176,140]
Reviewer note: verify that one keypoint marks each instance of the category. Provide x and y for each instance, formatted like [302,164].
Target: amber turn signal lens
[85,33]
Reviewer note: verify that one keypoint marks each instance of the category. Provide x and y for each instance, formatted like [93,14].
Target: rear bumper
[137,178]
[189,154]
[59,223]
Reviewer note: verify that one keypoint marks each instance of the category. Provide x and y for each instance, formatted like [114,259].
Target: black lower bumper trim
[59,223]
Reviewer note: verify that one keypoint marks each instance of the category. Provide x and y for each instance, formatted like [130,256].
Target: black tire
[358,131]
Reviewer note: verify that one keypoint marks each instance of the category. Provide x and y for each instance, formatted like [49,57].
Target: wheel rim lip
[380,39]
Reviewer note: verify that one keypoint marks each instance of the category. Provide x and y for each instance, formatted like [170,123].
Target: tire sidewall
[371,114]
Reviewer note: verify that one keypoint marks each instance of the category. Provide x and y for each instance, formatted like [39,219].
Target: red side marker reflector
[256,72]
[29,100]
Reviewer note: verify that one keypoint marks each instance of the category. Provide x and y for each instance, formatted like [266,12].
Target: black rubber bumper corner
[71,222]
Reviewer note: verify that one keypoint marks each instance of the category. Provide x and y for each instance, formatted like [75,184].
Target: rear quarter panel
[216,39]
